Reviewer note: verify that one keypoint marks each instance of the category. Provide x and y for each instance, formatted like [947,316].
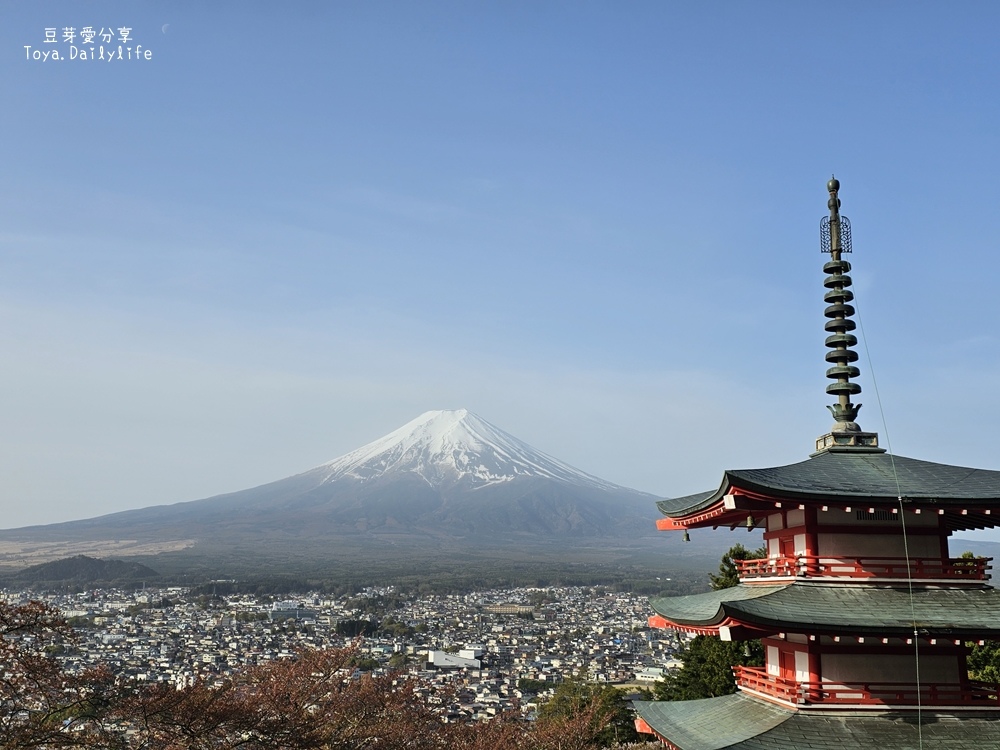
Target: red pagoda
[865,618]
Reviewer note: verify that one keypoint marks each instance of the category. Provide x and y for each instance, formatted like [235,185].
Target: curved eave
[877,477]
[716,508]
[680,507]
[708,611]
[966,498]
[728,629]
[884,611]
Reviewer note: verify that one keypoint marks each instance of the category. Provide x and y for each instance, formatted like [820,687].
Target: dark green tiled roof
[854,476]
[679,506]
[673,507]
[709,608]
[713,723]
[843,608]
[739,722]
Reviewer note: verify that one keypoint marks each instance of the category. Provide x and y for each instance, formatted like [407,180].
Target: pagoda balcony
[955,569]
[972,694]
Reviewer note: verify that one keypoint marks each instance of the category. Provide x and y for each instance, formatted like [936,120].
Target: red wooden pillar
[811,524]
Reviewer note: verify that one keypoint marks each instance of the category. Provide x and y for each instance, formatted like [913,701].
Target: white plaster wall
[796,518]
[848,668]
[801,666]
[775,522]
[772,660]
[876,545]
[800,544]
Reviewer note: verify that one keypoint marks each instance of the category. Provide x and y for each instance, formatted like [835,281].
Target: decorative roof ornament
[835,239]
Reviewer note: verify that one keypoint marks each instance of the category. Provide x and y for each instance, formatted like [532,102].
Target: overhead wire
[902,520]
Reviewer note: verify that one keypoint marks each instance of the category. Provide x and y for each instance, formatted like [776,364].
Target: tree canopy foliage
[984,659]
[706,669]
[707,663]
[611,721]
[40,705]
[729,575]
[355,628]
[984,662]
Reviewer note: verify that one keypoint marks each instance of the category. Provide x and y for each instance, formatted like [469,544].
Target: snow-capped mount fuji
[447,483]
[448,447]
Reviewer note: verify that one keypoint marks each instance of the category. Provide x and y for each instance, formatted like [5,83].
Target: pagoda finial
[835,238]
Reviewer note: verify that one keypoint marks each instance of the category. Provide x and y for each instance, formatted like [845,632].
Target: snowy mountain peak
[444,447]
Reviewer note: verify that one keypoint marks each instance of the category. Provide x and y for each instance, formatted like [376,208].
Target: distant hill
[83,569]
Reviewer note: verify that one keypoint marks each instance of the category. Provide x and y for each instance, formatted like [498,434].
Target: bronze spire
[835,238]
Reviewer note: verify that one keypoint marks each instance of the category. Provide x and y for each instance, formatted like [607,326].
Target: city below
[499,650]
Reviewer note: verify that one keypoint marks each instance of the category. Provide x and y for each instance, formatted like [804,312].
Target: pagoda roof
[741,722]
[853,477]
[802,607]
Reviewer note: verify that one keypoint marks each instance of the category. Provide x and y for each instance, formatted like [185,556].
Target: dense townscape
[498,650]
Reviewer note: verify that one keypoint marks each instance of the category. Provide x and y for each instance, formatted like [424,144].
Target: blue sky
[595,224]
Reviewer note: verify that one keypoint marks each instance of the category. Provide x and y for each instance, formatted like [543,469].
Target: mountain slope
[445,479]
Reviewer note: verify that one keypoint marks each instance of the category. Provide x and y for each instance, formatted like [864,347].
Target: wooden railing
[982,694]
[952,569]
[760,681]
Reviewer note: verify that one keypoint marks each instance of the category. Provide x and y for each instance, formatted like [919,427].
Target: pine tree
[707,663]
